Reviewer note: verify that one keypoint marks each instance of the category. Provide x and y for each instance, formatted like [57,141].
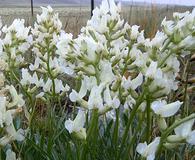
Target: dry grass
[73,18]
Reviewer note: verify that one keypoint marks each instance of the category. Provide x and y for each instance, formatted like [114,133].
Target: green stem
[162,50]
[164,60]
[130,120]
[139,126]
[148,128]
[126,60]
[168,41]
[50,74]
[91,135]
[116,130]
[186,74]
[23,89]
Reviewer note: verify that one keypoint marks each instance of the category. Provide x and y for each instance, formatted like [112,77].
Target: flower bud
[116,84]
[177,36]
[162,123]
[80,135]
[174,138]
[170,145]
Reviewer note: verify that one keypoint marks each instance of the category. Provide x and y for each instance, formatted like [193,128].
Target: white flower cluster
[180,31]
[15,43]
[47,65]
[106,52]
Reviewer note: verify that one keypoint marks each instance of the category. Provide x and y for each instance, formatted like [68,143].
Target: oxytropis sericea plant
[47,65]
[119,69]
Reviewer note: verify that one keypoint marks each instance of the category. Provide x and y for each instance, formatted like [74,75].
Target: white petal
[40,95]
[19,136]
[107,96]
[104,6]
[106,74]
[191,138]
[151,69]
[47,85]
[151,157]
[184,129]
[165,110]
[10,155]
[69,125]
[79,120]
[137,81]
[152,147]
[83,89]
[74,96]
[116,102]
[77,124]
[141,148]
[95,98]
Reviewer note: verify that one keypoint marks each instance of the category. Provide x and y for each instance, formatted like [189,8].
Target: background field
[74,16]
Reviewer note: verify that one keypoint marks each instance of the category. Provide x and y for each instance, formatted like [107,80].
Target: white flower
[63,44]
[10,155]
[18,27]
[106,74]
[26,77]
[2,79]
[130,101]
[74,96]
[76,126]
[158,40]
[165,110]
[173,63]
[17,100]
[184,131]
[36,64]
[45,14]
[2,110]
[95,98]
[167,26]
[148,151]
[35,80]
[114,9]
[3,64]
[134,32]
[188,43]
[108,12]
[152,71]
[114,103]
[47,85]
[40,95]
[13,134]
[59,87]
[134,83]
[180,15]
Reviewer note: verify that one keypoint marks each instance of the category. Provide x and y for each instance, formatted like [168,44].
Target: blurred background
[75,13]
